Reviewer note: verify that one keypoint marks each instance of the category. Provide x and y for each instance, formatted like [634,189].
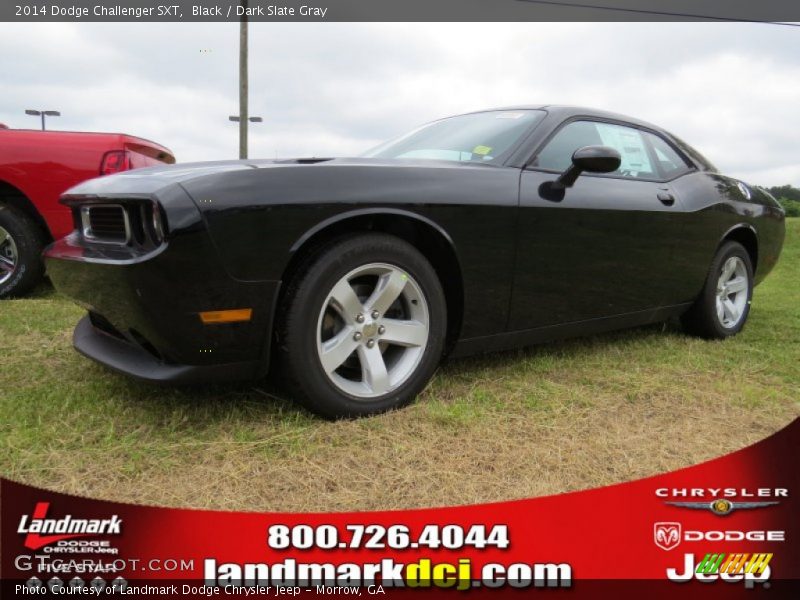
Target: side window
[670,163]
[629,142]
[557,154]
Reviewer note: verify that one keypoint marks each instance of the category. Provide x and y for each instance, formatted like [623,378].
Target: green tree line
[789,197]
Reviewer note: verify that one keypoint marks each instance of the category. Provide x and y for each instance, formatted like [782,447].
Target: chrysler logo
[721,506]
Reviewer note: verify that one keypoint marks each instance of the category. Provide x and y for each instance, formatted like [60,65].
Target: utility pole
[243,84]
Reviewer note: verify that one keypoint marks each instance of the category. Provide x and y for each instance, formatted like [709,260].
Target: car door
[606,248]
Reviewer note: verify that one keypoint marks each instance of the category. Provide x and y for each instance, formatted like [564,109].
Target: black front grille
[105,223]
[135,223]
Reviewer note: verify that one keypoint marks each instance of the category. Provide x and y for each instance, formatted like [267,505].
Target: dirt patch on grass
[511,451]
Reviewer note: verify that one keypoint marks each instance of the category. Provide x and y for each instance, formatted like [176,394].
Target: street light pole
[243,118]
[236,119]
[42,113]
[243,84]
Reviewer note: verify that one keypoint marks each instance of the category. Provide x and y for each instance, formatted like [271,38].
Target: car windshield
[481,137]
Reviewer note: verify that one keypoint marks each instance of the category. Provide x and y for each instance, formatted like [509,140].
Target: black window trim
[691,167]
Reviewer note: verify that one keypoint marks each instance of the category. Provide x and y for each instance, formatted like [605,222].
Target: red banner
[722,528]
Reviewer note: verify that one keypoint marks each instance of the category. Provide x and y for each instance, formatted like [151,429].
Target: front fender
[368,212]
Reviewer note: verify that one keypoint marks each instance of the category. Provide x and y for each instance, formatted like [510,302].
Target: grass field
[550,419]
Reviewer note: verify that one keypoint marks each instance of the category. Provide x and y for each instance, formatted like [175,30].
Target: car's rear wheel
[21,265]
[722,308]
[363,326]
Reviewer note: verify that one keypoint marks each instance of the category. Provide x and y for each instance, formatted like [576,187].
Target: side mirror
[592,159]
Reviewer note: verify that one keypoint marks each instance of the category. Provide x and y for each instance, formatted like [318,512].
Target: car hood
[152,179]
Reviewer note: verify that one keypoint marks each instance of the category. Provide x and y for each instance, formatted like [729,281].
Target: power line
[656,12]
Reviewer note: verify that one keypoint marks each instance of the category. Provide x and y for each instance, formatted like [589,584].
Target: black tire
[28,241]
[702,318]
[299,320]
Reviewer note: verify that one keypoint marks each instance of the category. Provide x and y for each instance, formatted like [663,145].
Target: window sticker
[630,144]
[481,150]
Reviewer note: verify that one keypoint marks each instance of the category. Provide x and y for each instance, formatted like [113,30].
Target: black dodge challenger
[355,276]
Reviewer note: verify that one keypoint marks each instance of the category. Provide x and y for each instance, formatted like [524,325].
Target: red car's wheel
[21,244]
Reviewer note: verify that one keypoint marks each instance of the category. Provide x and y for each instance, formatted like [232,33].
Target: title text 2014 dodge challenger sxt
[478,232]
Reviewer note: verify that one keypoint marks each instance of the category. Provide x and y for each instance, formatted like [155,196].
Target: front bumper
[145,306]
[128,358]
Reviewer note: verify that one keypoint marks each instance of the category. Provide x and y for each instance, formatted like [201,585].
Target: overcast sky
[336,89]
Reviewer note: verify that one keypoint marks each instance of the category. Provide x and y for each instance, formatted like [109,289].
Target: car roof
[566,111]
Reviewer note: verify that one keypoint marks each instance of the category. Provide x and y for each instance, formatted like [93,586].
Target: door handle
[666,198]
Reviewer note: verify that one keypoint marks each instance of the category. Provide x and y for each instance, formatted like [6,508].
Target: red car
[36,167]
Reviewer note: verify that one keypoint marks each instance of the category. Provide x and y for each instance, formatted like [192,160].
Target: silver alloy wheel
[8,256]
[372,330]
[733,288]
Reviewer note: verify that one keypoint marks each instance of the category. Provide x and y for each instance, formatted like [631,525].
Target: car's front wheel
[722,308]
[21,244]
[363,326]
